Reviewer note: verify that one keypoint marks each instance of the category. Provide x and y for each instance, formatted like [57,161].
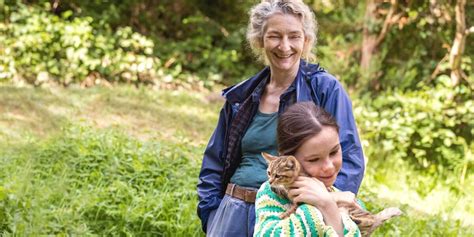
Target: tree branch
[389,19]
[457,49]
[438,67]
[55,6]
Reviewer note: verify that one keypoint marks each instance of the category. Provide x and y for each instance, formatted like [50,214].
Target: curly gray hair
[260,13]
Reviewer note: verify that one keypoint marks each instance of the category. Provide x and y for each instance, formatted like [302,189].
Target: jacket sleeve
[335,100]
[307,220]
[210,181]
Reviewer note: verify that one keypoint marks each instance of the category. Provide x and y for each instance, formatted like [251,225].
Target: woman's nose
[284,44]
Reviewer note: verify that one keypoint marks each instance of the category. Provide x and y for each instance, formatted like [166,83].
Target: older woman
[282,33]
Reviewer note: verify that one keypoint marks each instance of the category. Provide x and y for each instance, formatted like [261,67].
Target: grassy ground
[125,162]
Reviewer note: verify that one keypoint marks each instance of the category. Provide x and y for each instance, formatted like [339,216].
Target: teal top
[260,137]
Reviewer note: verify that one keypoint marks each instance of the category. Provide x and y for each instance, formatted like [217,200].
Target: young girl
[311,135]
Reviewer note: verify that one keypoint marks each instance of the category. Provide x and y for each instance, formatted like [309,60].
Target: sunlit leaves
[429,128]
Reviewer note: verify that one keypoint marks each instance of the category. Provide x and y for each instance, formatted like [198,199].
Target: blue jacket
[312,83]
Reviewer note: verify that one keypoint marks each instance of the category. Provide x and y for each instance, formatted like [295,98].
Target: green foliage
[432,128]
[417,41]
[84,182]
[203,42]
[40,47]
[76,42]
[209,50]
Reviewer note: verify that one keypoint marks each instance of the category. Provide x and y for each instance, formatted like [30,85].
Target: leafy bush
[67,46]
[85,182]
[40,46]
[432,128]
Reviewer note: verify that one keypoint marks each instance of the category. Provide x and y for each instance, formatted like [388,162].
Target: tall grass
[83,182]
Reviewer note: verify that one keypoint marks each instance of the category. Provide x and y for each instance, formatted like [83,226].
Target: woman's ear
[269,158]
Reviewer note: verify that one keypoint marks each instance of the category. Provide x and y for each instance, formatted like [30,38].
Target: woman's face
[283,42]
[321,156]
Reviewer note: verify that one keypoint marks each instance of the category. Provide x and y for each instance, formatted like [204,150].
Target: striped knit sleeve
[306,221]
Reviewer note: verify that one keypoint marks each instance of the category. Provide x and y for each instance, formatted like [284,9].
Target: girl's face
[321,156]
[283,42]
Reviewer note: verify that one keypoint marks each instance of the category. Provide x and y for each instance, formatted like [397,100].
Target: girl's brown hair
[299,123]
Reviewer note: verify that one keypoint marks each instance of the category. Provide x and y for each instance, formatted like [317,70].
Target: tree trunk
[457,49]
[369,38]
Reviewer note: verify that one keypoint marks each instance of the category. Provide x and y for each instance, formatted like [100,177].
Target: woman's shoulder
[240,91]
[319,77]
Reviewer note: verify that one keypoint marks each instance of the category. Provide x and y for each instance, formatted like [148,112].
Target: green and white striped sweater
[306,221]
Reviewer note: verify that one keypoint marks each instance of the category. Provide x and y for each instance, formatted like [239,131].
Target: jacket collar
[239,92]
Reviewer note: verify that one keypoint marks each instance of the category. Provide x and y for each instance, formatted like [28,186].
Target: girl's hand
[346,198]
[311,191]
[345,201]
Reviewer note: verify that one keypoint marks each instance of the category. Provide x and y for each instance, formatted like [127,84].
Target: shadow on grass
[31,111]
[140,112]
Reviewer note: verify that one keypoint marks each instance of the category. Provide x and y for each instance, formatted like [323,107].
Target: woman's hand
[311,191]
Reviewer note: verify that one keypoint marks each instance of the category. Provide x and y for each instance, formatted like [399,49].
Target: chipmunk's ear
[269,158]
[291,163]
[296,164]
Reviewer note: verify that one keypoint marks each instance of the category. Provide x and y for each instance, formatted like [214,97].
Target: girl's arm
[312,191]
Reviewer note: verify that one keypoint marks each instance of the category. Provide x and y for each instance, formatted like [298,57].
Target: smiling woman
[282,34]
[284,42]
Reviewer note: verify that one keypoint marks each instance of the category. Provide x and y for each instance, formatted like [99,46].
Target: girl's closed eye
[313,160]
[335,151]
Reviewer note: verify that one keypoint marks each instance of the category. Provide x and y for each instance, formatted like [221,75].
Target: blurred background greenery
[122,157]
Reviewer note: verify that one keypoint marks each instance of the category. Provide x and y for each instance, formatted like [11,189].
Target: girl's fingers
[296,184]
[294,192]
[301,181]
[302,178]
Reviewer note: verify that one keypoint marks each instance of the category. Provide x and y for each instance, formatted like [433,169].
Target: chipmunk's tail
[387,213]
[382,216]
